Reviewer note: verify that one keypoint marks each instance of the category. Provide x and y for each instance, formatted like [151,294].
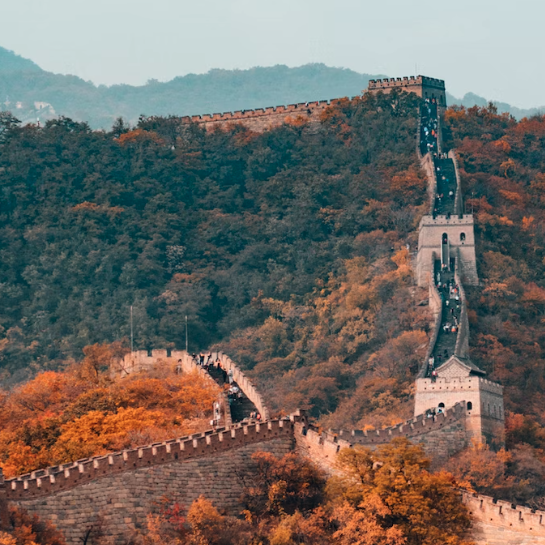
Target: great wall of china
[111,495]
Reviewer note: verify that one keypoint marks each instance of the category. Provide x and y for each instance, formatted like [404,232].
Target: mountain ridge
[33,94]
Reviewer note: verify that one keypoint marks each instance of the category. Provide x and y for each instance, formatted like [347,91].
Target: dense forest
[290,250]
[61,416]
[44,95]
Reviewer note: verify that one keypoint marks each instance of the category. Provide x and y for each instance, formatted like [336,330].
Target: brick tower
[422,86]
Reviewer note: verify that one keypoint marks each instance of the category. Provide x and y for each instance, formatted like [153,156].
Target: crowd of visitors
[428,127]
[449,292]
[223,377]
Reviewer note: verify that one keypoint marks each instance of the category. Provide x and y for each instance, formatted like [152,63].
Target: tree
[282,485]
[391,490]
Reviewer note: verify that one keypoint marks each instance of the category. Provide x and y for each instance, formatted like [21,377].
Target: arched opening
[441,405]
[469,406]
[444,238]
[494,411]
[462,237]
[169,352]
[489,409]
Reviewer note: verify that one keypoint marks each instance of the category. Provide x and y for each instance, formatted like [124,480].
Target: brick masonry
[113,494]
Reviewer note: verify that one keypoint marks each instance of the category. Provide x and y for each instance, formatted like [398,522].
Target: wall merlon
[54,479]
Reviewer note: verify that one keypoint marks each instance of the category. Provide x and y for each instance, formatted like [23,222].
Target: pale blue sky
[494,48]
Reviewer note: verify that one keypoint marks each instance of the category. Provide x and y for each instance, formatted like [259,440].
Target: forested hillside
[287,249]
[232,229]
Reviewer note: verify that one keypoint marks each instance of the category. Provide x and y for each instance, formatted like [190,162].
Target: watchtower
[423,86]
[446,239]
[458,379]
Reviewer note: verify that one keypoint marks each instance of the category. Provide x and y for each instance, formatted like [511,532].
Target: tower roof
[456,366]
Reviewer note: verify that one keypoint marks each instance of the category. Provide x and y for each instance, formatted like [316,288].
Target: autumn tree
[391,493]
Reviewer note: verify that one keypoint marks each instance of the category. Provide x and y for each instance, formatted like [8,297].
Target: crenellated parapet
[422,86]
[497,522]
[142,360]
[261,119]
[55,479]
[441,435]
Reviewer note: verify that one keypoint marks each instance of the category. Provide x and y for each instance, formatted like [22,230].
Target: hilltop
[32,93]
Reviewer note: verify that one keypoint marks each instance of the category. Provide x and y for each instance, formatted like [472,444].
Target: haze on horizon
[492,48]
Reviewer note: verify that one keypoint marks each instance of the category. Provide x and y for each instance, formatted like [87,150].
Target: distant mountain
[32,93]
[10,62]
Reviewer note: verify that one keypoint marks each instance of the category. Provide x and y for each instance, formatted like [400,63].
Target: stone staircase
[446,182]
[446,342]
[428,120]
[241,407]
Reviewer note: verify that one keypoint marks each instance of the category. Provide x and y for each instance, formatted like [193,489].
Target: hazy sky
[494,48]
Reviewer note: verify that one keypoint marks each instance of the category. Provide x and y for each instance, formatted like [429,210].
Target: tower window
[469,405]
[462,237]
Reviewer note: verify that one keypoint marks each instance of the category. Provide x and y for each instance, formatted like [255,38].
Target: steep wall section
[117,491]
[245,384]
[500,523]
[179,359]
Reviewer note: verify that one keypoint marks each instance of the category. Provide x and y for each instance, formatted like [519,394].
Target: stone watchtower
[422,86]
[458,379]
[446,239]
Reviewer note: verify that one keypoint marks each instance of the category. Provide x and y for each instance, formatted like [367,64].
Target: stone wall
[458,201]
[263,119]
[477,393]
[245,384]
[114,493]
[140,360]
[422,86]
[462,339]
[429,241]
[500,523]
[441,437]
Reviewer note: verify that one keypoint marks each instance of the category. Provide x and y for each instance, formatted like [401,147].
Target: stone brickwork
[141,360]
[115,493]
[500,523]
[422,86]
[483,402]
[441,436]
[263,119]
[461,240]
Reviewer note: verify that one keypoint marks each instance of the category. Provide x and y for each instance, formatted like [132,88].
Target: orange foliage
[25,529]
[62,416]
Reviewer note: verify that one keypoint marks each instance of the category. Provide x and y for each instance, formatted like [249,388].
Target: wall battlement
[261,119]
[405,81]
[140,360]
[497,522]
[466,219]
[422,86]
[461,383]
[410,429]
[58,478]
